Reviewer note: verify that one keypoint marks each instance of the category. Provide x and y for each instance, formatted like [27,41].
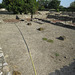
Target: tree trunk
[31,17]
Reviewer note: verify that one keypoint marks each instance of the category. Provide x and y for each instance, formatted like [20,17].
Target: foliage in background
[14,5]
[72,7]
[31,6]
[2,5]
[54,4]
[41,7]
[43,4]
[21,6]
[72,4]
[61,8]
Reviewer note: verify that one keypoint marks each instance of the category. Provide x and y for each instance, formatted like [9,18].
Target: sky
[65,3]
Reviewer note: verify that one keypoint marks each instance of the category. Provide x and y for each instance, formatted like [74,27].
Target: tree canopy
[20,6]
[2,5]
[43,4]
[72,4]
[54,4]
[72,7]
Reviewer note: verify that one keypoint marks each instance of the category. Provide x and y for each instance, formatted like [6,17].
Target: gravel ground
[50,58]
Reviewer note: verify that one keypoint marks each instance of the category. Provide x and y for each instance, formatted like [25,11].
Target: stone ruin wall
[63,18]
[69,16]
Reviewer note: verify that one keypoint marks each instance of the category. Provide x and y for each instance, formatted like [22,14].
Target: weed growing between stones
[56,54]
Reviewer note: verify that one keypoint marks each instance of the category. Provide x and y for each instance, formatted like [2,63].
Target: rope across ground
[27,49]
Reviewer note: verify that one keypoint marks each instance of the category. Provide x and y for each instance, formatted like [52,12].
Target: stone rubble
[4,68]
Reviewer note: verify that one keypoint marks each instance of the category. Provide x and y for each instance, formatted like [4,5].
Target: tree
[21,6]
[54,4]
[32,7]
[72,7]
[2,5]
[62,8]
[72,4]
[43,3]
[14,5]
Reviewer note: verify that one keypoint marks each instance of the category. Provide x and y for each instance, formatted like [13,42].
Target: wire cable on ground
[27,49]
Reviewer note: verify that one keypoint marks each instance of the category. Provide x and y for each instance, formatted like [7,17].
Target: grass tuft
[51,41]
[44,38]
[56,54]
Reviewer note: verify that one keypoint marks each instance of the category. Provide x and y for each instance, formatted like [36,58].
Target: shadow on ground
[66,70]
[38,22]
[58,24]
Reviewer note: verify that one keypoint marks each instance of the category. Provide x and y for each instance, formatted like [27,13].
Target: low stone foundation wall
[63,18]
[69,13]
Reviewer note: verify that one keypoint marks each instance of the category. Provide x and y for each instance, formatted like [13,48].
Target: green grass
[51,41]
[44,38]
[56,54]
[48,40]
